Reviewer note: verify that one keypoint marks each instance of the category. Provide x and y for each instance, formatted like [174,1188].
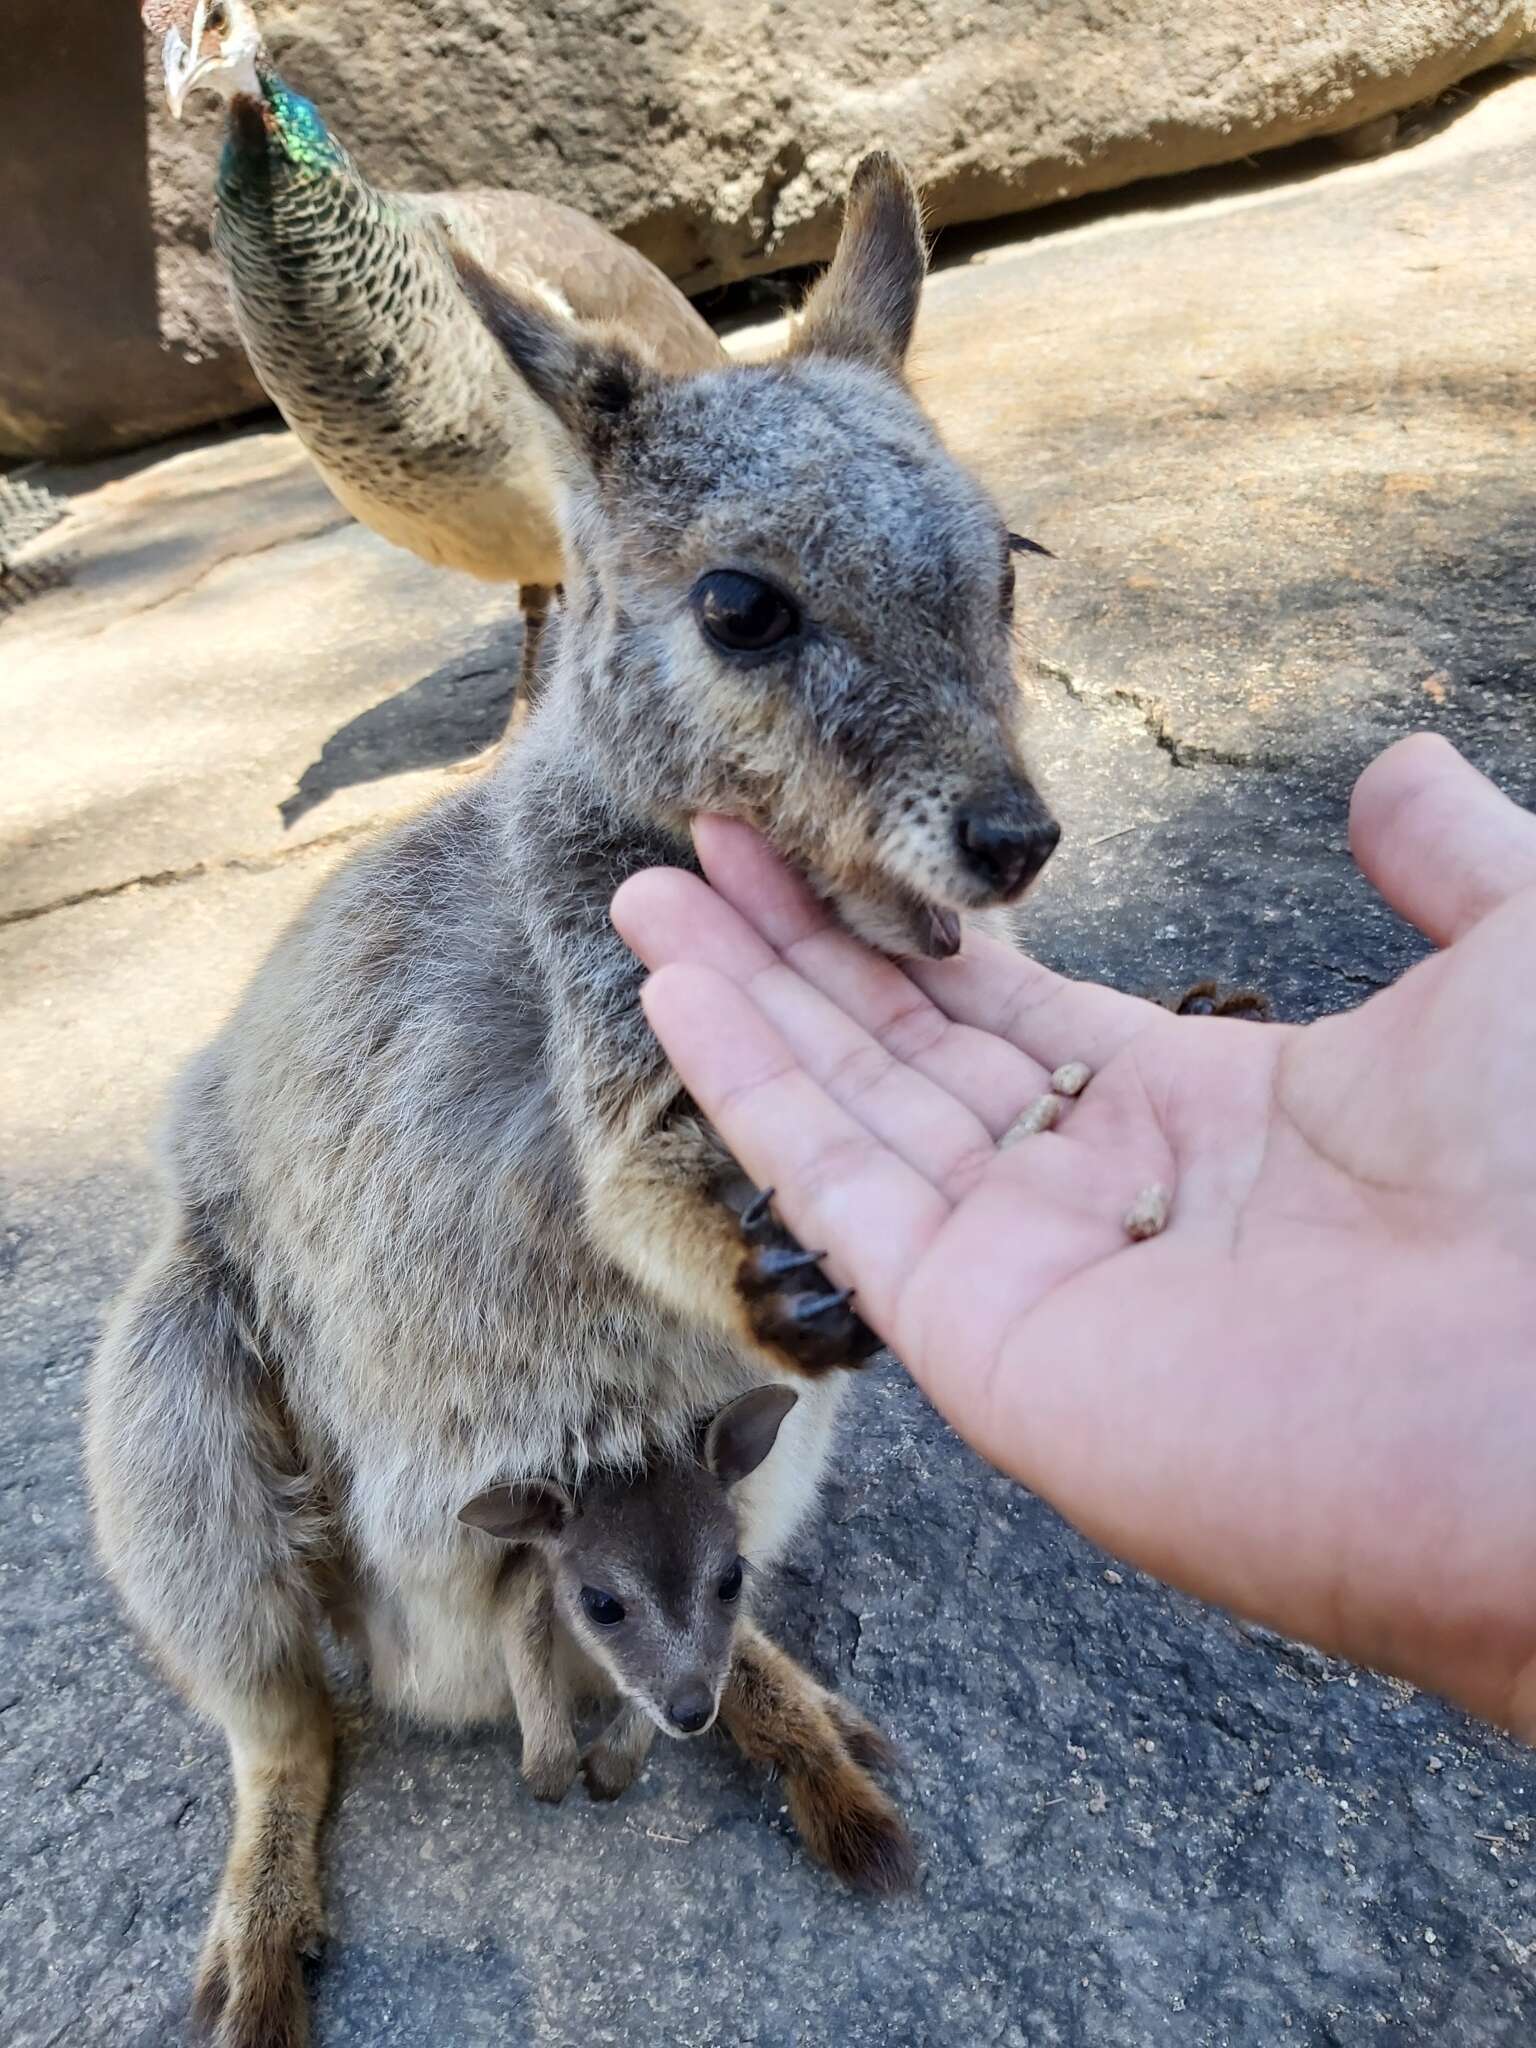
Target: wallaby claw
[778,1262]
[812,1324]
[805,1308]
[758,1212]
[1210,999]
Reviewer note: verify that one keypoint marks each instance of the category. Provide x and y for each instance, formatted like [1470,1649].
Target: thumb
[1442,845]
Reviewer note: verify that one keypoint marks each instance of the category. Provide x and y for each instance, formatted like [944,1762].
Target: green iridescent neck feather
[282,128]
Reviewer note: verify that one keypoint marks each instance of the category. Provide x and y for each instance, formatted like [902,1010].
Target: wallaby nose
[691,1707]
[1005,840]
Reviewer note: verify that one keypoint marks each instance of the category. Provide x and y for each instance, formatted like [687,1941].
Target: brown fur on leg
[778,1715]
[868,1745]
[250,1986]
[655,1177]
[1213,999]
[534,601]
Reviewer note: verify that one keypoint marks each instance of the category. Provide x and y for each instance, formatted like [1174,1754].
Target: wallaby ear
[866,303]
[519,1514]
[742,1434]
[590,385]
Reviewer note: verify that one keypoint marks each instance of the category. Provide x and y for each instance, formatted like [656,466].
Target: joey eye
[742,614]
[603,1608]
[730,1585]
[218,18]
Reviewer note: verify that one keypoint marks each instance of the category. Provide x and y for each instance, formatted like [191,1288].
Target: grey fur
[662,1545]
[442,1217]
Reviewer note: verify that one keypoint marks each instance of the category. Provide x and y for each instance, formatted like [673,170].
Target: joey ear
[519,1514]
[866,303]
[742,1434]
[590,385]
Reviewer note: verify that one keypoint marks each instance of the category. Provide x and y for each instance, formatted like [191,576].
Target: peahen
[351,311]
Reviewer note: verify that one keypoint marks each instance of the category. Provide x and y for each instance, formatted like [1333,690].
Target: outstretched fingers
[1443,846]
[939,1092]
[842,1188]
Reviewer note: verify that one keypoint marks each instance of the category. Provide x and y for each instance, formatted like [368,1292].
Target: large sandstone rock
[717,135]
[1284,451]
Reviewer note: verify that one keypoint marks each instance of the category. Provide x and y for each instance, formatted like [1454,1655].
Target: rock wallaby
[634,1588]
[442,1218]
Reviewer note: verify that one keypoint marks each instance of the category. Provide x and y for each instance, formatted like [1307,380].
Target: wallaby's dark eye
[730,1585]
[218,19]
[741,614]
[603,1608]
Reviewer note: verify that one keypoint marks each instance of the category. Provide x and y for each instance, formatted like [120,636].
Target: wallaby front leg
[618,1756]
[790,1301]
[551,1758]
[677,1213]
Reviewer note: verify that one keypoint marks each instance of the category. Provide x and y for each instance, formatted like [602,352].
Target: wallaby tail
[778,1715]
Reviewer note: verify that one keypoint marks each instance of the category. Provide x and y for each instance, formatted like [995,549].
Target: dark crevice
[248,864]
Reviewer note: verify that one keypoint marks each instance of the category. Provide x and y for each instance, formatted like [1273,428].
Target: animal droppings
[1148,1214]
[1072,1078]
[1041,1115]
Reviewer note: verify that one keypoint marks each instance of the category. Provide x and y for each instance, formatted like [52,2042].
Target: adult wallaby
[443,1218]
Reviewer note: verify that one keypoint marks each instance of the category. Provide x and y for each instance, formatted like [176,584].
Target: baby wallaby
[441,1212]
[630,1588]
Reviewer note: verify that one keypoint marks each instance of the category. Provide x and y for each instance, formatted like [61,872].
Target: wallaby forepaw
[550,1773]
[608,1773]
[791,1305]
[1211,999]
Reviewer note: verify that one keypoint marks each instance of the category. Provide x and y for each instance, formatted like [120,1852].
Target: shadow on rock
[449,715]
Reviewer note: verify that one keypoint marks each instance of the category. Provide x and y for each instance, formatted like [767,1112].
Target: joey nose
[691,1707]
[1006,840]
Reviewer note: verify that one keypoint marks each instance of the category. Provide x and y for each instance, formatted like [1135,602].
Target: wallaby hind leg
[535,600]
[269,1915]
[203,1521]
[778,1715]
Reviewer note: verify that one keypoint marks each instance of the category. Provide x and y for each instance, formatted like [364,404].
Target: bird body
[352,314]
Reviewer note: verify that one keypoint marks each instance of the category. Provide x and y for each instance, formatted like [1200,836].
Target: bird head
[212,44]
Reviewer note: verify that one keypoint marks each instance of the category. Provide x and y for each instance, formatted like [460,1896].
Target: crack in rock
[1184,753]
[85,1778]
[166,878]
[195,581]
[1154,717]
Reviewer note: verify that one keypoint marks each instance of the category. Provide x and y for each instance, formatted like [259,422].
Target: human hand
[1313,1396]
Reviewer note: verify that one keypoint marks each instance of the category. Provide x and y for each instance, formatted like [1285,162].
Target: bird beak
[178,58]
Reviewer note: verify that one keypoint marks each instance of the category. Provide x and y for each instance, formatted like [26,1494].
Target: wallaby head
[646,1572]
[788,603]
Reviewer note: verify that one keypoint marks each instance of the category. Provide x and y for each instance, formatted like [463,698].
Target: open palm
[1313,1396]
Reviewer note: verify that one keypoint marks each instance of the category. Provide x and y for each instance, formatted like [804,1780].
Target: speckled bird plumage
[351,313]
[348,304]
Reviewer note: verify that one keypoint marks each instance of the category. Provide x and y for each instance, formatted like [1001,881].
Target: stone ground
[1282,442]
